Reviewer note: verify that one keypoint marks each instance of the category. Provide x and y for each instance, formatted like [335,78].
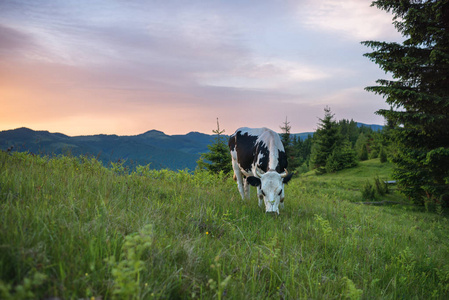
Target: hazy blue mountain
[154,147]
[176,152]
[303,135]
[374,127]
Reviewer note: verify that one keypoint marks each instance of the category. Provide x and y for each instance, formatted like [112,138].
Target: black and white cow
[258,158]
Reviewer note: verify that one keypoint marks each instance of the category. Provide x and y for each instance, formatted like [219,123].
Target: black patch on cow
[244,144]
[254,181]
[282,162]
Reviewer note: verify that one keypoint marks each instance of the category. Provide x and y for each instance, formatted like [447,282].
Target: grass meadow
[73,229]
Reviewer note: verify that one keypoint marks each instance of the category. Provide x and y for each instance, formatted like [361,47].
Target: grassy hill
[71,228]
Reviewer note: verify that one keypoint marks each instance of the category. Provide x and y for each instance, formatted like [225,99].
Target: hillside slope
[74,229]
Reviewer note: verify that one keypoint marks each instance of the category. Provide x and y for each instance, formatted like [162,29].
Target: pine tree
[361,147]
[342,157]
[418,95]
[364,154]
[287,142]
[349,129]
[301,149]
[382,155]
[285,135]
[326,139]
[218,159]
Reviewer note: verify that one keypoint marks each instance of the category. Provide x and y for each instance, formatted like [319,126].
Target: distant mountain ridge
[152,147]
[161,151]
[374,127]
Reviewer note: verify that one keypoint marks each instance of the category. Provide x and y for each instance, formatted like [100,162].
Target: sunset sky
[127,66]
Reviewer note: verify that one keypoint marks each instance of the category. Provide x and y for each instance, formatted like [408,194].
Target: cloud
[266,74]
[12,39]
[352,19]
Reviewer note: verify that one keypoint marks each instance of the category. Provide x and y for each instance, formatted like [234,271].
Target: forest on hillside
[336,145]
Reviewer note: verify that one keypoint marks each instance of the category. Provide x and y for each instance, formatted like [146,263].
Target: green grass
[72,229]
[347,184]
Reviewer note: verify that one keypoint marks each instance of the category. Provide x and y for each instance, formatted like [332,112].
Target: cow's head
[270,187]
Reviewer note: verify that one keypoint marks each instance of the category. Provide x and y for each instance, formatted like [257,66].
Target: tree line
[336,145]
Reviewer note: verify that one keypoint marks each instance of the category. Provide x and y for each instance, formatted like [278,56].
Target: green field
[71,229]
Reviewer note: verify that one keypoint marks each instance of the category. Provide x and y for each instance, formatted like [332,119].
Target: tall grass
[71,228]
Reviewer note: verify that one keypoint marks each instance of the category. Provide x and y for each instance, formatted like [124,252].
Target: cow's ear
[254,181]
[287,178]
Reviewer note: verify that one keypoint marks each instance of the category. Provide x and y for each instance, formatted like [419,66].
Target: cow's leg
[260,197]
[238,177]
[246,188]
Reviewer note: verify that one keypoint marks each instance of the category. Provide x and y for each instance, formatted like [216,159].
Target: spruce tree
[364,154]
[342,157]
[418,95]
[218,159]
[285,135]
[287,142]
[382,155]
[349,129]
[326,139]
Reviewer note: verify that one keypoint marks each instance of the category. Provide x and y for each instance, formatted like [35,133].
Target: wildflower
[207,232]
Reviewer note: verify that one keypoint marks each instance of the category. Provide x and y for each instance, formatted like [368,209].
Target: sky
[128,66]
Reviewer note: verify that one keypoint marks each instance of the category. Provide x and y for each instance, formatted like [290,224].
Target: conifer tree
[364,154]
[382,155]
[349,129]
[418,95]
[285,135]
[287,142]
[218,158]
[326,139]
[342,157]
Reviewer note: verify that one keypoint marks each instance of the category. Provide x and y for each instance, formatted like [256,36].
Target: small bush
[368,191]
[304,168]
[381,187]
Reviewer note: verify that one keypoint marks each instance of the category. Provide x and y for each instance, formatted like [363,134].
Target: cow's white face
[270,188]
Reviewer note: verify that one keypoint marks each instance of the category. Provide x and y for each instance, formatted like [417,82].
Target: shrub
[381,187]
[368,192]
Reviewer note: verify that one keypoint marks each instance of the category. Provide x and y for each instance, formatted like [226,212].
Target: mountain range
[161,151]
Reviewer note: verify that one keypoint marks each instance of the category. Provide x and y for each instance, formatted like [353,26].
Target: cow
[259,159]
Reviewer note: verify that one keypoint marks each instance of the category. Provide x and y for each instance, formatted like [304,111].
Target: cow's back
[270,152]
[258,146]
